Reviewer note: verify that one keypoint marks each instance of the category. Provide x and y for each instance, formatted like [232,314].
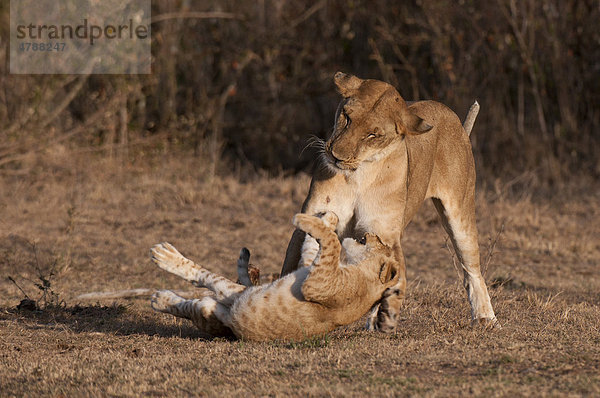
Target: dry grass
[94,221]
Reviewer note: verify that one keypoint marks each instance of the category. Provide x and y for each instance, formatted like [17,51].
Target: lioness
[382,161]
[310,301]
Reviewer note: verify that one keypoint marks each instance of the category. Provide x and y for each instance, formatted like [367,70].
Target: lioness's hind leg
[459,222]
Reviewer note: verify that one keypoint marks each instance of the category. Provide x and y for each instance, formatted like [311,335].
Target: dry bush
[254,81]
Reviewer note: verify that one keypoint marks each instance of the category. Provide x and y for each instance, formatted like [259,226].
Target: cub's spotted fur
[310,301]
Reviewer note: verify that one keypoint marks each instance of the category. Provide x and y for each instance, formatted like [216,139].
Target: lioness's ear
[346,84]
[413,124]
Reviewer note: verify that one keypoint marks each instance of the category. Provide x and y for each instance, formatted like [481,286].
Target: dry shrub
[254,82]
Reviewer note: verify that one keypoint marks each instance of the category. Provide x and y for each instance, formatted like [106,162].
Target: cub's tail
[243,264]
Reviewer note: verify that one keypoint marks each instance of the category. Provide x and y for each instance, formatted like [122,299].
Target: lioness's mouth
[343,165]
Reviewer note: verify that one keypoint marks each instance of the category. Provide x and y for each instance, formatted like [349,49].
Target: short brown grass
[94,221]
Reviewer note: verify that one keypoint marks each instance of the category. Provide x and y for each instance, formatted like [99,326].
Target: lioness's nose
[329,148]
[335,155]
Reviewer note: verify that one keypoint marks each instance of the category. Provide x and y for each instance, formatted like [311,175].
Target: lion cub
[310,301]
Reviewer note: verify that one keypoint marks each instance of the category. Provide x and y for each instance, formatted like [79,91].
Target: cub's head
[376,258]
[371,117]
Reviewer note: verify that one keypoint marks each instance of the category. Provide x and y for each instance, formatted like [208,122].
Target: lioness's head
[370,117]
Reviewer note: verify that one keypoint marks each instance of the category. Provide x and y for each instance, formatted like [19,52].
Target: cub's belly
[278,311]
[266,321]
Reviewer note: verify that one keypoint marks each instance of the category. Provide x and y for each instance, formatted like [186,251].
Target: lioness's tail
[471,116]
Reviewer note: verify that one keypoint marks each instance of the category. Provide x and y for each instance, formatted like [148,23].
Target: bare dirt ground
[93,222]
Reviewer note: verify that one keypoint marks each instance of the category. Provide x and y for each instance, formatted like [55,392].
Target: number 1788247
[26,47]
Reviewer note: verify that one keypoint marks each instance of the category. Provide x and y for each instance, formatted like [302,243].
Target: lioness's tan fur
[310,301]
[382,160]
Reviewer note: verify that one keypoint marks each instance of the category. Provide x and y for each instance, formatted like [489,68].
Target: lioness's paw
[486,323]
[163,300]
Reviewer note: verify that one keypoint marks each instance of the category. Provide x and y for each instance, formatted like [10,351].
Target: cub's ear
[412,124]
[385,272]
[347,85]
[388,275]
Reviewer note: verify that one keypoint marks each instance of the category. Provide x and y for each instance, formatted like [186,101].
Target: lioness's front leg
[293,252]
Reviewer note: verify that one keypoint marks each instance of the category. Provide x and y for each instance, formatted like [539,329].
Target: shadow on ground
[114,319]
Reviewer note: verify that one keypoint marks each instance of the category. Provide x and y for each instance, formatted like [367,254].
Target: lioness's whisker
[314,142]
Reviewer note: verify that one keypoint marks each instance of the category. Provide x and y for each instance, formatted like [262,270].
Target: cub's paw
[308,223]
[386,323]
[166,256]
[330,219]
[163,300]
[382,321]
[371,325]
[384,317]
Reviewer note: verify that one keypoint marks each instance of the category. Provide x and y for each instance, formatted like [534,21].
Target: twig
[526,55]
[387,71]
[490,253]
[405,63]
[74,131]
[128,293]
[24,120]
[219,112]
[307,14]
[66,101]
[194,15]
[454,257]
[130,144]
[10,278]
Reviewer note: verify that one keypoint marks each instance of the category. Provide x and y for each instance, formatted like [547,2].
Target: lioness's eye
[374,133]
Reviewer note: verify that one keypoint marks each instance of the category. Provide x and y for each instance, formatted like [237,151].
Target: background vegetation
[252,80]
[94,170]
